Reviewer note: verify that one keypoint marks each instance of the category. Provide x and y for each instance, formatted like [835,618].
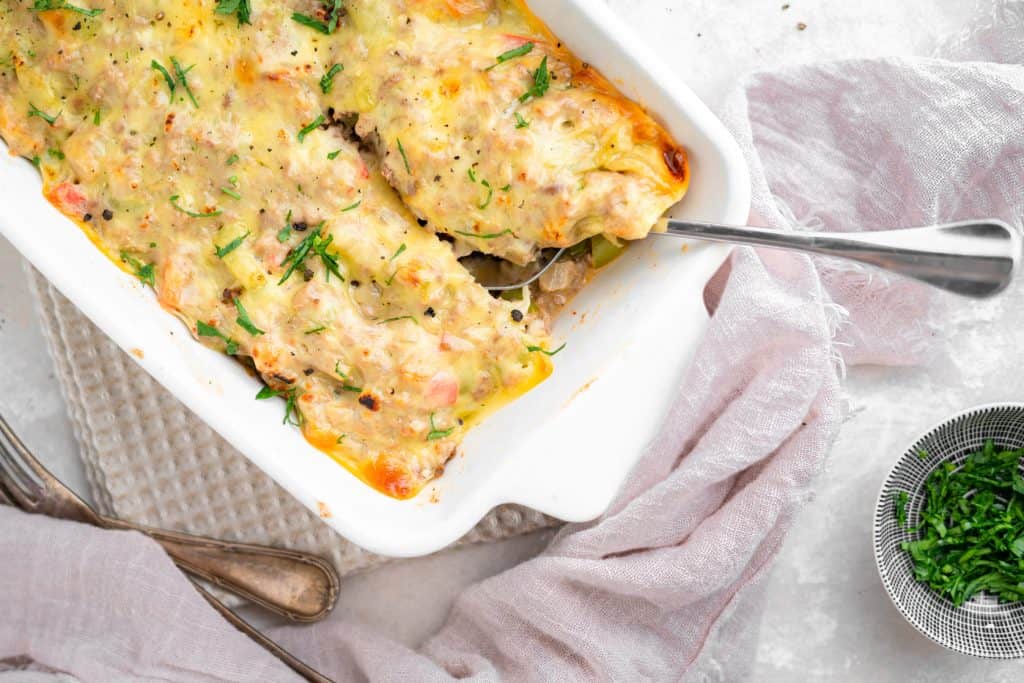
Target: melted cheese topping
[503,172]
[207,157]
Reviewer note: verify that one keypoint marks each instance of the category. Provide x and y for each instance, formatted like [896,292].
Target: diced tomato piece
[443,389]
[518,40]
[68,198]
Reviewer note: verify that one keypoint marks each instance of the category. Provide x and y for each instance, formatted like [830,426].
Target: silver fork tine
[14,456]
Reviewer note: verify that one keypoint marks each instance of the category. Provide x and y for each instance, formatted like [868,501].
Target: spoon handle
[972,258]
[292,584]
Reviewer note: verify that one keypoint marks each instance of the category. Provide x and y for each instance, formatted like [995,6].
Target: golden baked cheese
[210,148]
[496,134]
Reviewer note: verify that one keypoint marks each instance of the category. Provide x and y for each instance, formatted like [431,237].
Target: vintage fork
[299,667]
[295,585]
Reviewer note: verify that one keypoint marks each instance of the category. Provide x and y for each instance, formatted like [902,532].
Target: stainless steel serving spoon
[972,258]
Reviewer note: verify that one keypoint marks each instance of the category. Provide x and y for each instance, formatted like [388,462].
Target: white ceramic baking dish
[566,447]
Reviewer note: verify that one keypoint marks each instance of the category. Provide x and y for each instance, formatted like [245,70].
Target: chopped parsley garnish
[490,190]
[167,76]
[345,385]
[520,51]
[266,392]
[316,244]
[193,214]
[332,19]
[507,188]
[327,80]
[541,82]
[179,78]
[96,118]
[330,261]
[231,193]
[204,330]
[310,127]
[284,233]
[351,207]
[333,155]
[405,159]
[398,252]
[434,434]
[901,500]
[243,320]
[309,21]
[230,246]
[36,161]
[43,5]
[971,535]
[143,271]
[521,122]
[55,154]
[490,194]
[241,8]
[233,159]
[316,330]
[35,111]
[396,319]
[533,349]
[180,74]
[291,410]
[484,236]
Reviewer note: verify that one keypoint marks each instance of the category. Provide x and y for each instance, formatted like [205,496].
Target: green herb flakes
[286,232]
[541,82]
[194,214]
[292,414]
[44,5]
[405,159]
[180,78]
[327,80]
[241,8]
[230,246]
[970,534]
[536,349]
[35,111]
[484,236]
[243,320]
[520,51]
[204,330]
[311,126]
[144,271]
[434,434]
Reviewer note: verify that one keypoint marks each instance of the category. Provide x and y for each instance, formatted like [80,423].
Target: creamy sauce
[215,161]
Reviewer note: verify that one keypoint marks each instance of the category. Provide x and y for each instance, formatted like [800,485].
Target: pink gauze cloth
[854,145]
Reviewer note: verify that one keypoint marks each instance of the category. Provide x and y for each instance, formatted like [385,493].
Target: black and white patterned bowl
[982,626]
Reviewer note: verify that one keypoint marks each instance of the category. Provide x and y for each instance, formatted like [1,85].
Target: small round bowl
[982,626]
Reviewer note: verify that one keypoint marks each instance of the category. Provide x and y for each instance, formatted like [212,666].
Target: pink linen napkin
[854,145]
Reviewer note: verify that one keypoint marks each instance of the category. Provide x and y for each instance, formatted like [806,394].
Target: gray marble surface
[823,613]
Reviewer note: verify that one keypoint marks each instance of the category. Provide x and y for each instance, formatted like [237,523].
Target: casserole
[539,451]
